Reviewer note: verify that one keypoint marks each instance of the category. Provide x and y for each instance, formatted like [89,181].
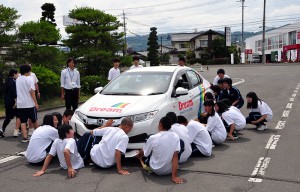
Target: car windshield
[139,83]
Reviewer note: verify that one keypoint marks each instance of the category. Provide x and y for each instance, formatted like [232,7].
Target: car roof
[158,69]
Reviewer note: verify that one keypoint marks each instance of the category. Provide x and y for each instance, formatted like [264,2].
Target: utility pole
[161,56]
[264,35]
[243,48]
[125,41]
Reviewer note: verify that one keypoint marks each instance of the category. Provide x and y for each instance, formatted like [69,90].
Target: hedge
[88,83]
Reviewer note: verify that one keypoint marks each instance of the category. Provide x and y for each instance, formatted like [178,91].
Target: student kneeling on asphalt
[66,150]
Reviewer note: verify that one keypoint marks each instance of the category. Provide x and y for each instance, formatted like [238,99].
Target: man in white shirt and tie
[70,85]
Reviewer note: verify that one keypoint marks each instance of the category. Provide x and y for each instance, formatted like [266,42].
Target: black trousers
[85,144]
[71,98]
[253,116]
[10,113]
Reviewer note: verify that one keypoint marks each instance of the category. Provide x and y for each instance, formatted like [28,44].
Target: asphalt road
[257,161]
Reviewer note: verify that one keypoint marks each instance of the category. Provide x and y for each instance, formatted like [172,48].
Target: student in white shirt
[70,85]
[181,62]
[66,150]
[232,117]
[214,125]
[183,134]
[65,118]
[112,145]
[42,139]
[27,104]
[260,112]
[204,116]
[162,150]
[136,63]
[199,137]
[220,75]
[115,71]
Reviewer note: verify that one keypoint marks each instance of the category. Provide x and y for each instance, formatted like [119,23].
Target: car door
[182,105]
[196,92]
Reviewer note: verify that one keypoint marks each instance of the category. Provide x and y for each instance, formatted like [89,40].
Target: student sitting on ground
[203,116]
[214,125]
[217,92]
[161,151]
[232,93]
[66,150]
[42,139]
[65,118]
[199,137]
[260,112]
[183,134]
[233,119]
[112,145]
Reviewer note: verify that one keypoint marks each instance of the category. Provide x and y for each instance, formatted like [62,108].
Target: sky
[171,16]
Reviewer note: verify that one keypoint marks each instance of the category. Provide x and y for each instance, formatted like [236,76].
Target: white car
[145,95]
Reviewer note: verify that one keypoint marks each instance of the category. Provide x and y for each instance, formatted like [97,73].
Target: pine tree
[48,13]
[153,47]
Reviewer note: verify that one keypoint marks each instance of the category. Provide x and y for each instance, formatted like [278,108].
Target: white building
[281,44]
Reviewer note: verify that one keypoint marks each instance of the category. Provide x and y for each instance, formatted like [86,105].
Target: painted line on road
[9,158]
[286,113]
[239,82]
[292,99]
[294,95]
[289,106]
[280,125]
[272,143]
[260,169]
[255,180]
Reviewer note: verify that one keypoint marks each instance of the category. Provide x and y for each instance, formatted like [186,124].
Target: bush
[88,83]
[195,60]
[217,61]
[49,82]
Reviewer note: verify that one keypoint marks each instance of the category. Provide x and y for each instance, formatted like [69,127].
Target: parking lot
[257,161]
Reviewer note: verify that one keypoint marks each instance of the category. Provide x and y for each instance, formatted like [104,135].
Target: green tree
[8,17]
[153,47]
[96,39]
[190,55]
[48,13]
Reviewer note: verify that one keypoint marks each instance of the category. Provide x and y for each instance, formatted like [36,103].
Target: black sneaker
[2,134]
[235,136]
[25,140]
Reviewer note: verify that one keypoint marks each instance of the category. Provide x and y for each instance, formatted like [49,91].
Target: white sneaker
[16,133]
[261,128]
[30,131]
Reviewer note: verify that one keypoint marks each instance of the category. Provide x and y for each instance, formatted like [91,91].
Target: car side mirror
[181,91]
[98,84]
[98,89]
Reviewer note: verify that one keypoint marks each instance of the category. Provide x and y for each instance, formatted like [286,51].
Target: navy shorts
[27,113]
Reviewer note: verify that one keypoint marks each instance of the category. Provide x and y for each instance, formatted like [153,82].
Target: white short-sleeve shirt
[162,147]
[183,134]
[58,147]
[113,73]
[133,66]
[263,109]
[34,77]
[216,128]
[39,142]
[114,138]
[199,135]
[217,78]
[233,115]
[24,85]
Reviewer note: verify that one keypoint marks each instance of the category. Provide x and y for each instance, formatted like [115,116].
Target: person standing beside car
[115,71]
[70,85]
[136,63]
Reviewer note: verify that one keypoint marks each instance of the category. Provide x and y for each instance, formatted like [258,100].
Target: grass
[46,104]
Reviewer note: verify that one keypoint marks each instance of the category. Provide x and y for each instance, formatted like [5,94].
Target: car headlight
[81,116]
[143,116]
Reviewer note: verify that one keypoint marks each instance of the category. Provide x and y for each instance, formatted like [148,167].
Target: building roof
[183,37]
[206,33]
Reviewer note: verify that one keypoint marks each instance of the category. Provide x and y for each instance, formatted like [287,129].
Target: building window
[285,39]
[292,38]
[203,43]
[183,45]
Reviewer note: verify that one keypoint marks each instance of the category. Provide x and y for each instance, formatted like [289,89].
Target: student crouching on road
[260,112]
[232,117]
[214,125]
[232,93]
[161,151]
[199,137]
[42,139]
[66,150]
[220,75]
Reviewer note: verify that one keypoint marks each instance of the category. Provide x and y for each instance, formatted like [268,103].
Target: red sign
[185,105]
[248,51]
[298,36]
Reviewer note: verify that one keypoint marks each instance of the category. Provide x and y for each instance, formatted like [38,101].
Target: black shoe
[235,136]
[2,135]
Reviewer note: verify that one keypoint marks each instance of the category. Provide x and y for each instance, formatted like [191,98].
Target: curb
[48,109]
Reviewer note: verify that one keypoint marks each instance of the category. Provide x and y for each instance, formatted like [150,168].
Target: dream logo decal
[116,108]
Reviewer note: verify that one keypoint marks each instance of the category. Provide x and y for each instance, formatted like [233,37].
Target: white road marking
[255,180]
[272,143]
[289,106]
[296,91]
[294,95]
[9,158]
[264,166]
[292,99]
[255,171]
[280,125]
[239,82]
[286,113]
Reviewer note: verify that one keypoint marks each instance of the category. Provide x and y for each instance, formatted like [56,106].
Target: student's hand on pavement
[71,172]
[177,180]
[123,172]
[39,173]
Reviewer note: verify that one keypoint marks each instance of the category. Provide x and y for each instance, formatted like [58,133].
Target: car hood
[119,106]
